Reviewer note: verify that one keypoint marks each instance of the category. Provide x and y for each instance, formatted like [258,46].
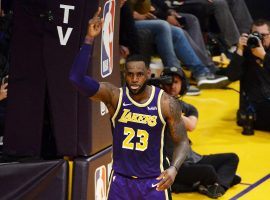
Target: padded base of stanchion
[90,173]
[41,180]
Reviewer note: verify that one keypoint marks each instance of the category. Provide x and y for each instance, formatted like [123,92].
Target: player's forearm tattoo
[178,133]
[177,126]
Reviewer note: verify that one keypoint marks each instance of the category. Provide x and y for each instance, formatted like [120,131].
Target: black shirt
[253,73]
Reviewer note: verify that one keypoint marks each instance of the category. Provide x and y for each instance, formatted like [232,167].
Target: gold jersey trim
[159,107]
[142,104]
[118,106]
[110,182]
[163,129]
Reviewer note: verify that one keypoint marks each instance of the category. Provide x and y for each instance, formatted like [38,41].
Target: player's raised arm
[171,110]
[89,87]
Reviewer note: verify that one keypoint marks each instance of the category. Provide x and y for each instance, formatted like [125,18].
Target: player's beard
[141,90]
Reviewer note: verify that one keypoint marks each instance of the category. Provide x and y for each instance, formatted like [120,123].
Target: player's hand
[173,21]
[166,178]
[150,16]
[242,43]
[94,26]
[124,51]
[243,40]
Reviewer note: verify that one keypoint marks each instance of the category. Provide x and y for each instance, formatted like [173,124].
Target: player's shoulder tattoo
[172,106]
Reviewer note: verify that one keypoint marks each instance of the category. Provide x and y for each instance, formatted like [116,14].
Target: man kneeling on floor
[211,174]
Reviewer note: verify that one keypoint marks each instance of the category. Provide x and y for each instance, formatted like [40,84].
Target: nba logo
[107,38]
[100,183]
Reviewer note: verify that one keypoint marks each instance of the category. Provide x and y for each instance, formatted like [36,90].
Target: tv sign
[107,38]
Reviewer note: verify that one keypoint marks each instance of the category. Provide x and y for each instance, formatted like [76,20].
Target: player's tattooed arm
[178,133]
[171,110]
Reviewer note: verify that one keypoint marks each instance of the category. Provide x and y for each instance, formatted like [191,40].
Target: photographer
[251,65]
[211,175]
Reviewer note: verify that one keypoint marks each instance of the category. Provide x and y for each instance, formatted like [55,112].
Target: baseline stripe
[251,187]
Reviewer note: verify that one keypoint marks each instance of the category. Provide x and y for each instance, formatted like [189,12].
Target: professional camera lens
[254,40]
[246,119]
[248,124]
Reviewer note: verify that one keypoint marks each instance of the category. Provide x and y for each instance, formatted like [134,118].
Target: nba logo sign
[100,183]
[107,38]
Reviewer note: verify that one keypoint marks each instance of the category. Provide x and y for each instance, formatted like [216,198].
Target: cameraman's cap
[174,70]
[177,71]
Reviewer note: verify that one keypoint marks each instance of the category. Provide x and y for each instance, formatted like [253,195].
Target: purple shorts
[125,188]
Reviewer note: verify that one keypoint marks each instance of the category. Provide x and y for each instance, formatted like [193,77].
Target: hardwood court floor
[217,132]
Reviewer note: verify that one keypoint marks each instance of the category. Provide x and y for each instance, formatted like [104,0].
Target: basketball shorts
[127,188]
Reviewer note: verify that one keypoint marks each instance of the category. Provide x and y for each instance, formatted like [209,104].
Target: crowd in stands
[179,32]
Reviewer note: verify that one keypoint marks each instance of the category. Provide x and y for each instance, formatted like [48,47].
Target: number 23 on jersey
[130,134]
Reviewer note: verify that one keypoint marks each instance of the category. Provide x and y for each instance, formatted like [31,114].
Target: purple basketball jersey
[138,136]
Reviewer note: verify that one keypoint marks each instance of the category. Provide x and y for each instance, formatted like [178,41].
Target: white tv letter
[66,12]
[63,39]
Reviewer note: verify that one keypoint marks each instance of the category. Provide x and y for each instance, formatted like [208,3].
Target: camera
[246,114]
[160,80]
[246,119]
[254,40]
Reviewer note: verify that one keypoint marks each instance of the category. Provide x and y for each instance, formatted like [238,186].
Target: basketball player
[139,114]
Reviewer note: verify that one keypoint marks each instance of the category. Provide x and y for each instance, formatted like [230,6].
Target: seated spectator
[128,38]
[211,174]
[233,19]
[192,30]
[232,16]
[202,11]
[251,65]
[132,40]
[172,46]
